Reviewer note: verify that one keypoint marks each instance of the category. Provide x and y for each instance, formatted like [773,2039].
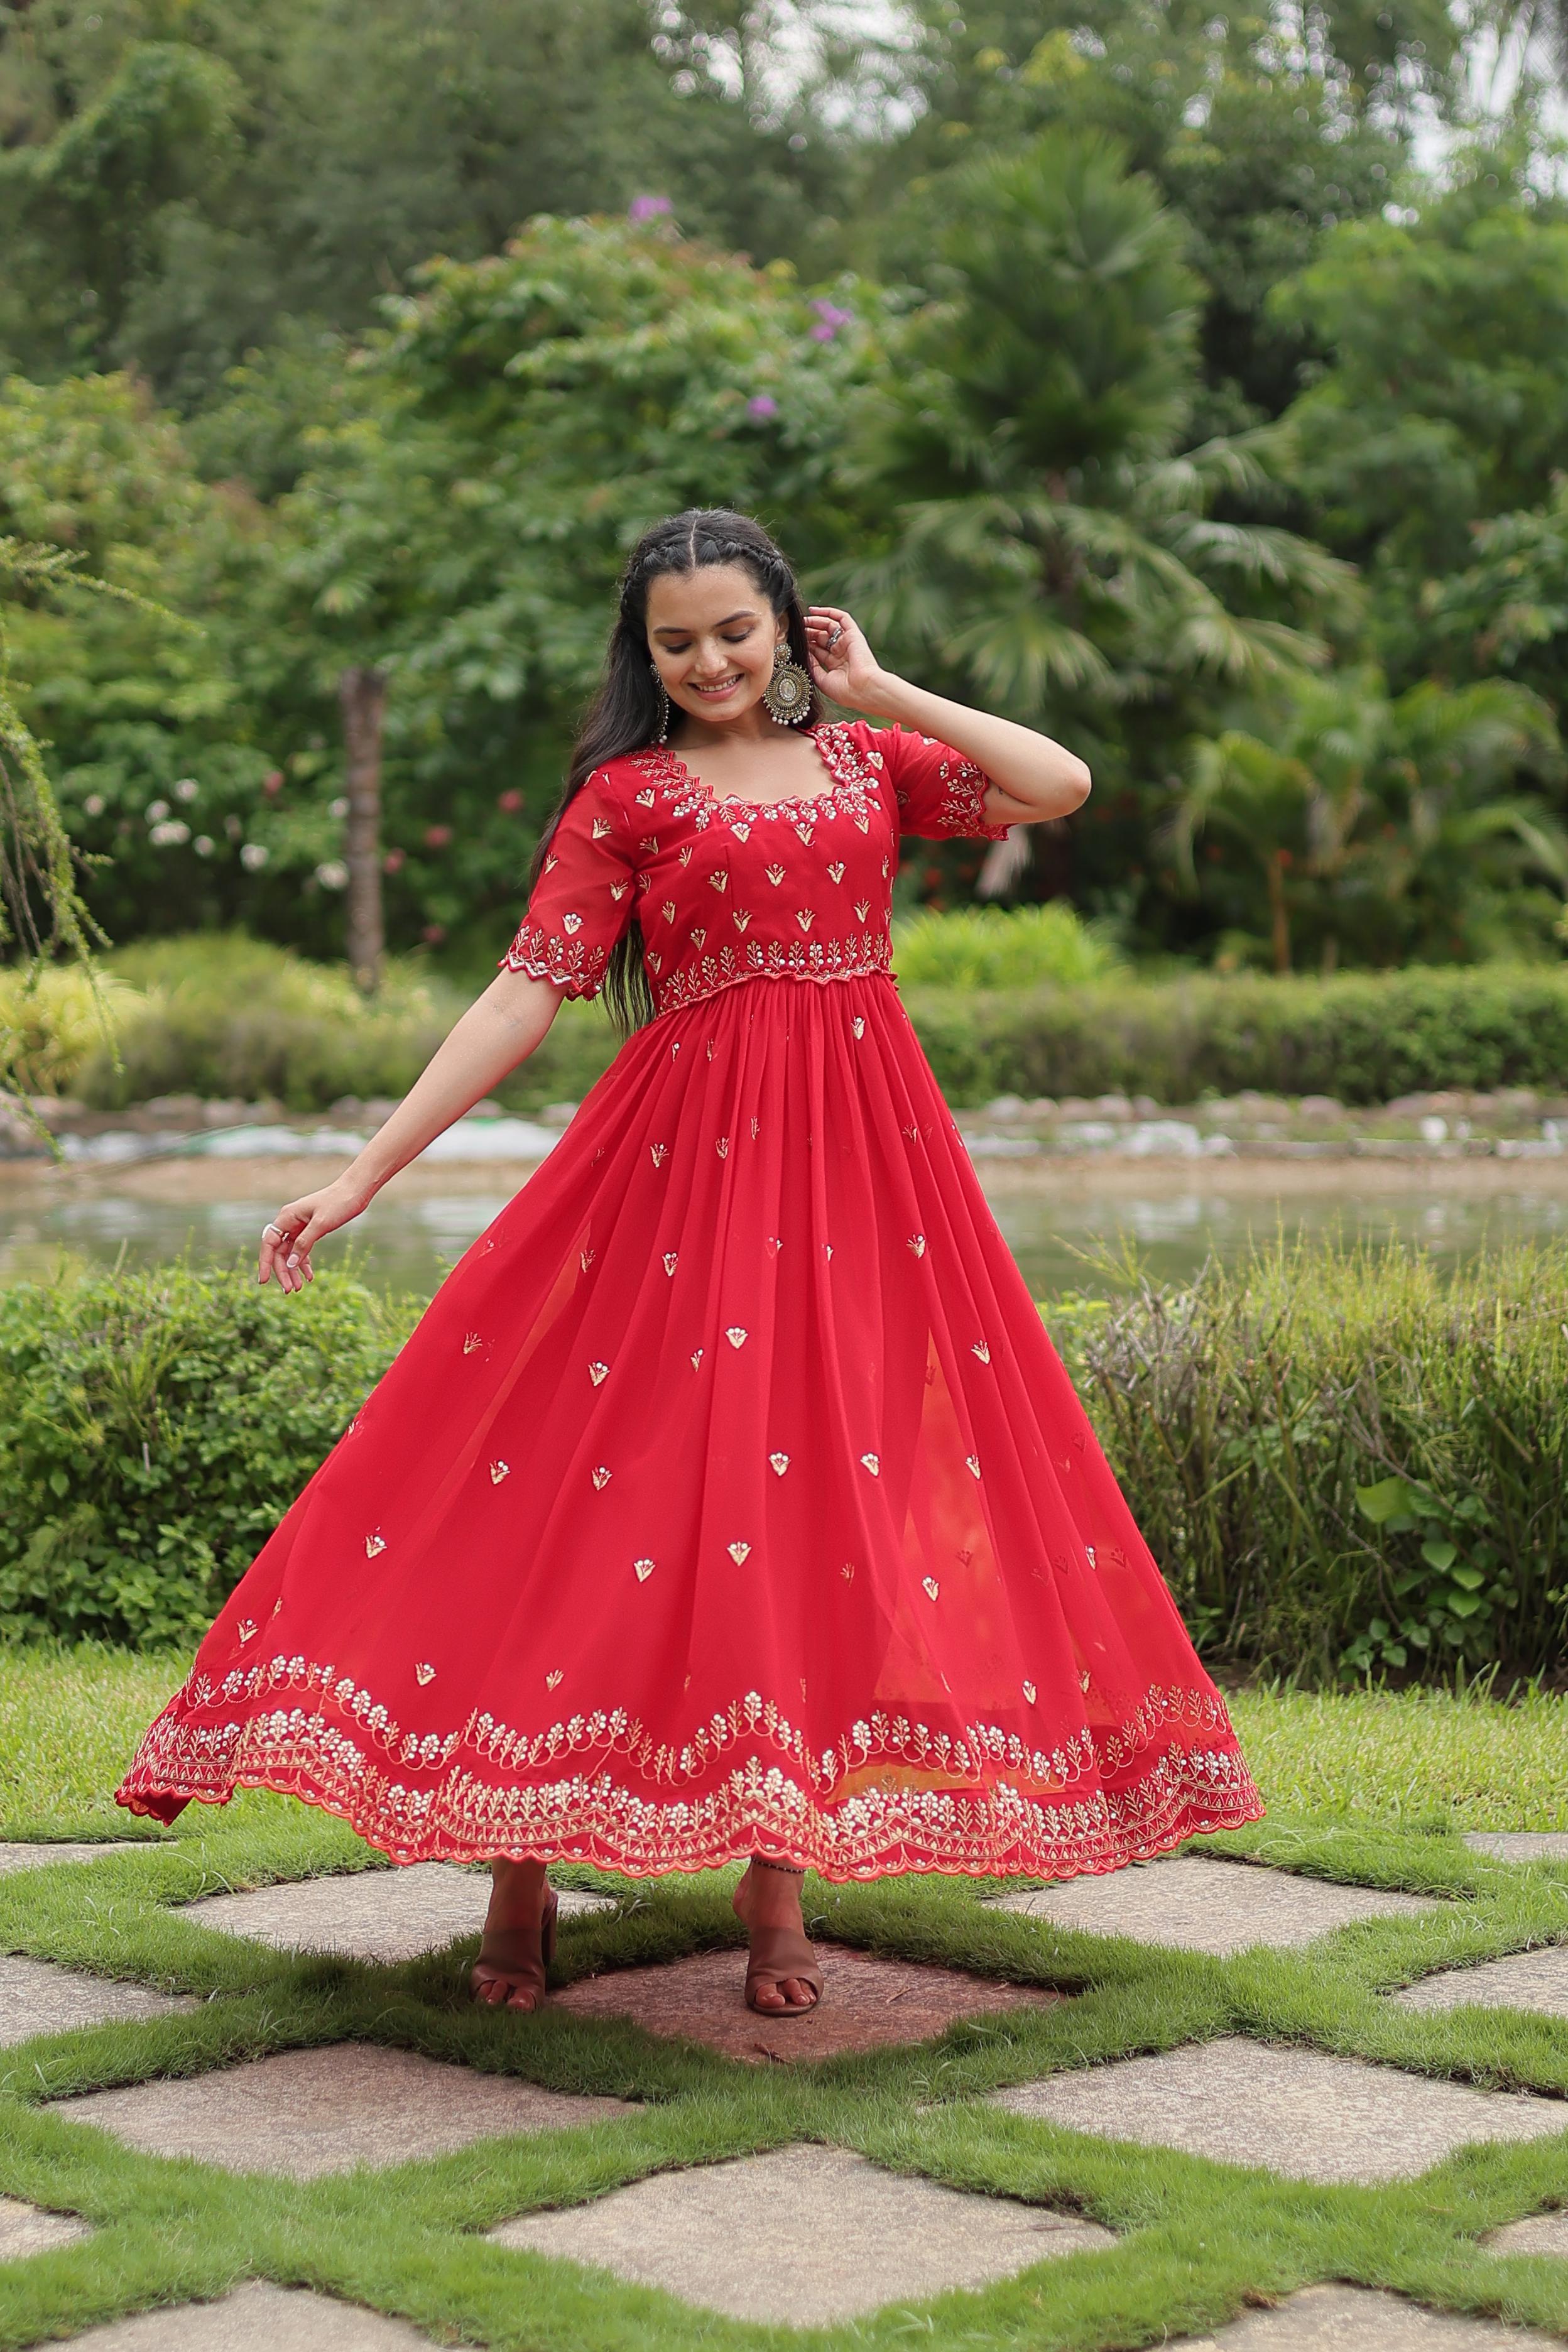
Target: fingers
[280,1253]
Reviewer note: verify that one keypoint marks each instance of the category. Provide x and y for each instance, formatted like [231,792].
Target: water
[1052,1216]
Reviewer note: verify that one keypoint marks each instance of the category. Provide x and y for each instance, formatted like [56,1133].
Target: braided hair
[624,715]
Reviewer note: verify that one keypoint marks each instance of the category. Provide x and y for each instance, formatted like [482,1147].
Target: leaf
[1385,1501]
[1440,1555]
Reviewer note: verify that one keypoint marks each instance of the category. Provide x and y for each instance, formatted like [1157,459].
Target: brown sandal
[517,1956]
[777,1954]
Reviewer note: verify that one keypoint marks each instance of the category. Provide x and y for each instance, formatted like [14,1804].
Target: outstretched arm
[498,1030]
[1032,778]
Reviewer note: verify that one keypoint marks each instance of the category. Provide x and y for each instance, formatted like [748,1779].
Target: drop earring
[788,693]
[663,735]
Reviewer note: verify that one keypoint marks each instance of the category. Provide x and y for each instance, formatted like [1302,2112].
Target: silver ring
[273,1233]
[837,632]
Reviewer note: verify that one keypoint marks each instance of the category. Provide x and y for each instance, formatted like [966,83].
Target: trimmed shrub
[983,947]
[1343,1462]
[154,1427]
[1366,1037]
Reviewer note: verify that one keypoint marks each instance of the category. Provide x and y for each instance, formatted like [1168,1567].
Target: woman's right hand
[290,1237]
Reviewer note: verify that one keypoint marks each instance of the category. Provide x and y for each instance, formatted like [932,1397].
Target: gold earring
[663,735]
[788,693]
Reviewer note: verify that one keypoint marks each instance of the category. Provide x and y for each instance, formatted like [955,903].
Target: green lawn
[1361,1788]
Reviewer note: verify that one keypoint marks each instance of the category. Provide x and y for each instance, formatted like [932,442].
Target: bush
[983,947]
[1366,1037]
[1343,1462]
[51,1023]
[153,1428]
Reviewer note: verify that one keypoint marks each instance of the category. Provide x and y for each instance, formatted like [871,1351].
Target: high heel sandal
[777,1955]
[517,1956]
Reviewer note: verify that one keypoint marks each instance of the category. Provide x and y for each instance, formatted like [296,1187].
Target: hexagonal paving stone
[1359,2319]
[803,2235]
[1300,2113]
[868,2002]
[259,2318]
[306,2112]
[1520,1980]
[28,2230]
[1542,2233]
[36,1996]
[37,1857]
[369,1915]
[1208,1905]
[1520,1846]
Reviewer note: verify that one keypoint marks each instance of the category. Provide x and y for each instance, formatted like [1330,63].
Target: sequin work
[729,1494]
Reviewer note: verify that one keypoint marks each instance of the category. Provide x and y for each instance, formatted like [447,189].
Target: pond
[1056,1214]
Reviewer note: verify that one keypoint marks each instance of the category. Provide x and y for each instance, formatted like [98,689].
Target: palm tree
[1044,534]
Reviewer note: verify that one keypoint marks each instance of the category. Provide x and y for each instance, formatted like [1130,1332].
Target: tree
[1382,829]
[1040,532]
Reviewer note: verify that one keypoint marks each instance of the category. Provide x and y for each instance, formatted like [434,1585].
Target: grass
[1365,1785]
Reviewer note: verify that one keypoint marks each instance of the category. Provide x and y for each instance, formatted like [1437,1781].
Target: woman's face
[711,635]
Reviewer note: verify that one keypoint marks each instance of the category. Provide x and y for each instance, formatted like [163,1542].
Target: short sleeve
[940,793]
[581,902]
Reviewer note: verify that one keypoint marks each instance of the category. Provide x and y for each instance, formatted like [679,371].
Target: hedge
[1366,1037]
[154,1427]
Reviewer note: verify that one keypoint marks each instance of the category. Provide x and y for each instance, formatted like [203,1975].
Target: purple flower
[647,208]
[761,405]
[829,319]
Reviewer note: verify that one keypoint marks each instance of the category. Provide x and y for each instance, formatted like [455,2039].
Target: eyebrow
[673,629]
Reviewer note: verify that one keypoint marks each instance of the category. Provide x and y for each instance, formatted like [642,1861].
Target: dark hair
[624,715]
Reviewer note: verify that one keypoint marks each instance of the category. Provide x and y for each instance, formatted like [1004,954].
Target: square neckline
[735,800]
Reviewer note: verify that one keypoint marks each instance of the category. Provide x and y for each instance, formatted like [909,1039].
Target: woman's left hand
[842,663]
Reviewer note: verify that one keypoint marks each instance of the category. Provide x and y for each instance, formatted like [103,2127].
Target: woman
[729,1502]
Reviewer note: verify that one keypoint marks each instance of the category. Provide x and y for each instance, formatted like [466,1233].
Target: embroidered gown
[730,1497]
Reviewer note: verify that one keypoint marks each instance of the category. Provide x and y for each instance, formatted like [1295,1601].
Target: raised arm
[1032,778]
[498,1030]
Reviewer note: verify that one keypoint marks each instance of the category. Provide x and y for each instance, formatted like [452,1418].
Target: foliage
[1363,1037]
[1384,829]
[1347,1463]
[154,1427]
[224,1017]
[52,1022]
[981,947]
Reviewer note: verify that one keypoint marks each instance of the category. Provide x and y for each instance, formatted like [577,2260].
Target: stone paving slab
[1359,2319]
[803,2235]
[26,2230]
[1520,1846]
[867,2003]
[368,1915]
[36,1856]
[1520,1980]
[259,2318]
[306,2112]
[1209,1907]
[1542,2234]
[37,1997]
[1301,2113]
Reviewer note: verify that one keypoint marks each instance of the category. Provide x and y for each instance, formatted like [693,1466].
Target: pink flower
[437,836]
[433,934]
[647,208]
[392,862]
[829,319]
[272,784]
[761,405]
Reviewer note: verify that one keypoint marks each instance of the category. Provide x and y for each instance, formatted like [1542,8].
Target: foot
[768,1897]
[510,1971]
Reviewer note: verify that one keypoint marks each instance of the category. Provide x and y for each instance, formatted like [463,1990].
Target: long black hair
[624,715]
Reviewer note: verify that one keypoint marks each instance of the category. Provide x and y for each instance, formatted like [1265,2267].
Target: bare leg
[769,1896]
[509,1971]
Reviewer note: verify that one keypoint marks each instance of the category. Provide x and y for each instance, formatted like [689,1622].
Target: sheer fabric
[730,1497]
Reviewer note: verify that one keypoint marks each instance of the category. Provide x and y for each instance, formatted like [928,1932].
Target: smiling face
[711,635]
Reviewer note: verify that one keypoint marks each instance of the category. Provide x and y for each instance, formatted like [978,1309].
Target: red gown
[730,1497]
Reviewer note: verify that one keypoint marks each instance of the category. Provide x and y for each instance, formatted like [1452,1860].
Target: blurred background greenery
[1194,386]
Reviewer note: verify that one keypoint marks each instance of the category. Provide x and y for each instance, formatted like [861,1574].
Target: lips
[713,693]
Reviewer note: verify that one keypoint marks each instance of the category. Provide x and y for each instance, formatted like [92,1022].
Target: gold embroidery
[1018,1814]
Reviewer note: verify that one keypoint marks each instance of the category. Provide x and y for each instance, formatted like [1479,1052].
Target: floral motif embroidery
[1077,1807]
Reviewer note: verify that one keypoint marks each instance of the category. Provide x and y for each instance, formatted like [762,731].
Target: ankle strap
[759,1861]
